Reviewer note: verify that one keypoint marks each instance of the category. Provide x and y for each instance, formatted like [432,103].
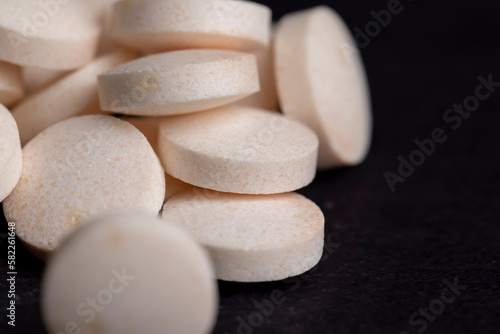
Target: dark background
[394,250]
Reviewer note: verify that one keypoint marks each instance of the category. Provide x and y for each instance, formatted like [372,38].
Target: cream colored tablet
[266,98]
[74,95]
[252,238]
[179,82]
[239,150]
[148,126]
[36,79]
[11,85]
[129,274]
[78,168]
[321,82]
[163,25]
[57,35]
[11,157]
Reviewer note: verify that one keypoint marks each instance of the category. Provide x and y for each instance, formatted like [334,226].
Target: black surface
[391,251]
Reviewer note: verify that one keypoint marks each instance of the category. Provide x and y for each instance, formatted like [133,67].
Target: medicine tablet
[143,275]
[75,94]
[252,238]
[163,25]
[148,126]
[239,150]
[267,97]
[78,168]
[49,35]
[321,82]
[36,79]
[11,157]
[179,82]
[11,85]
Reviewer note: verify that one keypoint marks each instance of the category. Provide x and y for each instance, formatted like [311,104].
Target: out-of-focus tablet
[163,25]
[239,150]
[78,168]
[71,96]
[11,157]
[50,35]
[179,82]
[36,79]
[11,85]
[252,238]
[148,126]
[129,274]
[321,82]
[266,98]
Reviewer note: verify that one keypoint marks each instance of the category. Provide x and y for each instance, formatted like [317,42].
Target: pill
[143,275]
[36,79]
[239,150]
[266,98]
[11,157]
[78,168]
[75,94]
[148,126]
[179,82]
[164,25]
[321,82]
[49,35]
[252,238]
[11,85]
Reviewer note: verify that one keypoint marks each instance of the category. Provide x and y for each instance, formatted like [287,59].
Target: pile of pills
[153,146]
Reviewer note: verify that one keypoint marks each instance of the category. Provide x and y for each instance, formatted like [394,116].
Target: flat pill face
[11,86]
[80,168]
[74,95]
[130,274]
[252,238]
[239,150]
[163,25]
[179,82]
[321,81]
[10,153]
[58,35]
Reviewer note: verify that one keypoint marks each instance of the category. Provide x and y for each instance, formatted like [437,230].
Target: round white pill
[58,35]
[11,84]
[321,82]
[239,150]
[75,94]
[163,25]
[179,82]
[129,274]
[11,157]
[252,238]
[81,167]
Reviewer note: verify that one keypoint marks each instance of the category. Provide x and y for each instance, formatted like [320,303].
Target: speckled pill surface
[179,82]
[163,25]
[11,84]
[75,94]
[321,82]
[143,275]
[239,150]
[252,238]
[79,168]
[11,157]
[57,35]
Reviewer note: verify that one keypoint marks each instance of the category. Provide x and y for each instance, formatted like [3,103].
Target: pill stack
[200,109]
